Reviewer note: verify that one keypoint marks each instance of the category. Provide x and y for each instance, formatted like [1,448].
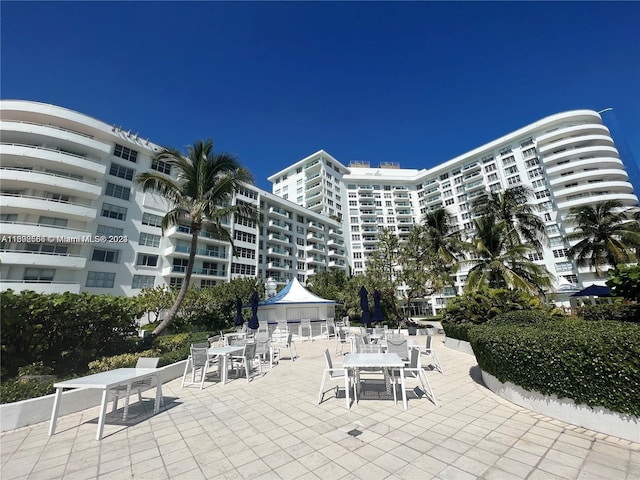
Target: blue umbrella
[253,321]
[377,308]
[239,318]
[364,304]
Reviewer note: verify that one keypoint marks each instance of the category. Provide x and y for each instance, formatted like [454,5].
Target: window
[160,166]
[152,220]
[109,231]
[113,211]
[564,267]
[39,274]
[121,172]
[448,201]
[492,177]
[207,283]
[8,217]
[571,278]
[47,248]
[180,265]
[536,172]
[126,153]
[118,191]
[495,187]
[552,229]
[175,282]
[532,162]
[534,257]
[147,260]
[538,183]
[58,197]
[513,180]
[53,221]
[143,281]
[560,253]
[529,152]
[149,240]
[511,170]
[100,279]
[508,160]
[547,217]
[543,194]
[105,255]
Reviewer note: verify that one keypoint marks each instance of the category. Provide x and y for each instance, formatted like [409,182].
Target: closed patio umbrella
[253,321]
[377,308]
[364,304]
[239,318]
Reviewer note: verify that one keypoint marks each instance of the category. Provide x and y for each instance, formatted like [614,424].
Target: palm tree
[200,197]
[605,234]
[513,209]
[496,263]
[443,246]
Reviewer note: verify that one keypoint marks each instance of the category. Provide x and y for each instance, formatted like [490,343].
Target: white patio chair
[335,374]
[264,350]
[216,341]
[341,340]
[246,360]
[198,361]
[398,344]
[137,386]
[328,328]
[281,339]
[415,371]
[305,324]
[283,325]
[430,352]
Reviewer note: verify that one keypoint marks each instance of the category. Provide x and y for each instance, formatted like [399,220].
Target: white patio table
[106,381]
[353,361]
[224,352]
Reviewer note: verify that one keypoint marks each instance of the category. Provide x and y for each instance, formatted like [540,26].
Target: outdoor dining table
[390,361]
[224,353]
[106,381]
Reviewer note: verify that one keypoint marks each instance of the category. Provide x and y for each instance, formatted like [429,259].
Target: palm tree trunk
[183,288]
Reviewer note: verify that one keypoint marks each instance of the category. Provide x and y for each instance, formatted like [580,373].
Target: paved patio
[272,428]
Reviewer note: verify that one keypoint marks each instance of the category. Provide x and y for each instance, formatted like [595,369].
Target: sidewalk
[272,428]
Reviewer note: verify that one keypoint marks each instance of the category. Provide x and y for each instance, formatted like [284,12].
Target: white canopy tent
[293,303]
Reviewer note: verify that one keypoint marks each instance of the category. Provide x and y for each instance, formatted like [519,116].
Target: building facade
[73,219]
[567,160]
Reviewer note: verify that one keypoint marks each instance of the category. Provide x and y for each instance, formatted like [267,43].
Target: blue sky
[416,83]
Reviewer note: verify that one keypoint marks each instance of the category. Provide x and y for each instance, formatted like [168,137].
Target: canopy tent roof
[594,291]
[294,293]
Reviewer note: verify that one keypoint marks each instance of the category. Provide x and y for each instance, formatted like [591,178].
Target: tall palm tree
[496,263]
[443,245]
[606,235]
[512,207]
[200,197]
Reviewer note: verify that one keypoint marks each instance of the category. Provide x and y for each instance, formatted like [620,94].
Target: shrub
[125,360]
[614,311]
[593,363]
[521,316]
[15,390]
[458,331]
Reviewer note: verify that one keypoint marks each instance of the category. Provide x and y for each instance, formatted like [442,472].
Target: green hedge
[593,363]
[521,316]
[611,311]
[458,331]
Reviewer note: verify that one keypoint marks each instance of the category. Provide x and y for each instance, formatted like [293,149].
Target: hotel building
[72,219]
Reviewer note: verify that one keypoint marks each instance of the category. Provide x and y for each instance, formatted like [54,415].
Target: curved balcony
[184,251]
[280,225]
[315,248]
[279,211]
[43,157]
[574,142]
[605,174]
[279,238]
[26,132]
[277,266]
[318,227]
[277,251]
[40,287]
[335,241]
[337,264]
[19,178]
[627,199]
[41,259]
[63,209]
[558,135]
[317,260]
[595,162]
[315,236]
[593,189]
[577,153]
[183,232]
[58,234]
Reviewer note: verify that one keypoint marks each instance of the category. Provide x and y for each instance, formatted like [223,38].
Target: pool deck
[272,428]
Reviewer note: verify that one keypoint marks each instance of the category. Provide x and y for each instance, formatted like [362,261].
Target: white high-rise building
[567,160]
[72,218]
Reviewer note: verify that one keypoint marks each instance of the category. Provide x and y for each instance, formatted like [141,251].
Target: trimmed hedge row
[593,363]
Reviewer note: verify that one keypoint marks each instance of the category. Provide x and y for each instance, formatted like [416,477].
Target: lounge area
[273,427]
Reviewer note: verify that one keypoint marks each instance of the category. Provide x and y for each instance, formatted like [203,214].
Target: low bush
[16,390]
[459,331]
[614,311]
[521,316]
[593,363]
[124,360]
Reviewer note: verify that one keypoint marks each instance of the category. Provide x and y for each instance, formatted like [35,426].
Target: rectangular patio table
[224,352]
[392,361]
[105,381]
